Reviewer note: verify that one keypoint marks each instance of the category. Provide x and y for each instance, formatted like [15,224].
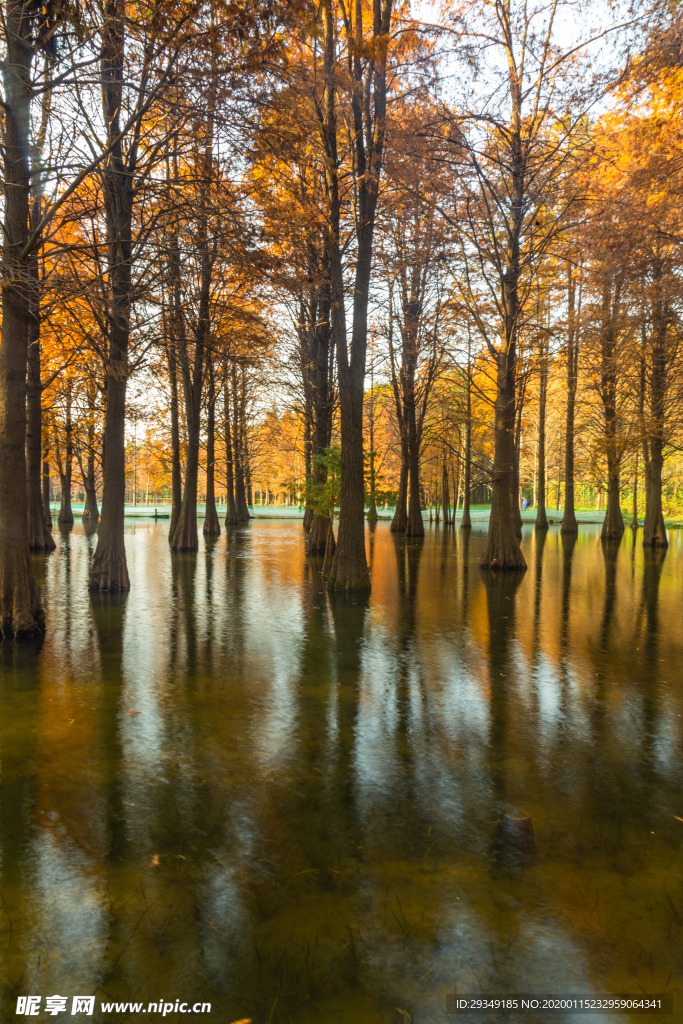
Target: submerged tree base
[212,526]
[39,535]
[353,585]
[613,527]
[109,571]
[399,524]
[321,538]
[21,614]
[569,523]
[502,549]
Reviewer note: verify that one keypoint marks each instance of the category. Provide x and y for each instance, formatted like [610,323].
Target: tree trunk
[350,568]
[502,549]
[109,570]
[321,540]
[66,516]
[654,531]
[569,524]
[415,525]
[400,521]
[238,452]
[445,490]
[514,492]
[541,516]
[176,472]
[212,527]
[20,609]
[47,511]
[91,513]
[308,463]
[613,525]
[457,480]
[185,537]
[231,509]
[466,522]
[40,537]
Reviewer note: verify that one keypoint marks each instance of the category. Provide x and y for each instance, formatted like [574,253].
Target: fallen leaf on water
[677,818]
[213,925]
[133,712]
[244,1020]
[155,861]
[440,705]
[72,721]
[180,856]
[127,804]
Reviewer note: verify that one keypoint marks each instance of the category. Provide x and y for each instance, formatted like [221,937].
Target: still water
[235,788]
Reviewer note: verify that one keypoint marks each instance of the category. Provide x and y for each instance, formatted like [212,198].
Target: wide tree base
[569,523]
[656,538]
[415,527]
[541,520]
[399,524]
[109,571]
[21,614]
[308,519]
[39,536]
[212,526]
[502,551]
[361,586]
[612,530]
[321,537]
[186,537]
[349,571]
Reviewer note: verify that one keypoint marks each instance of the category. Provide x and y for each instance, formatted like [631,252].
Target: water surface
[300,823]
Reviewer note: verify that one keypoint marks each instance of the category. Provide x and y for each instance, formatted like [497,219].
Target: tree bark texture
[569,523]
[40,536]
[212,527]
[502,549]
[21,613]
[176,470]
[231,509]
[321,539]
[47,511]
[66,516]
[654,531]
[541,516]
[399,523]
[446,493]
[239,447]
[613,524]
[349,567]
[109,570]
[185,536]
[466,522]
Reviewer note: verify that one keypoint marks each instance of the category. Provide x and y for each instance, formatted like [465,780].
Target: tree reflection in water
[299,822]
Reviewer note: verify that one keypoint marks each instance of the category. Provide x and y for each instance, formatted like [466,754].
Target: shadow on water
[233,786]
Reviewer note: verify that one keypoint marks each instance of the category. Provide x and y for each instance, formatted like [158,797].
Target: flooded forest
[341,511]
